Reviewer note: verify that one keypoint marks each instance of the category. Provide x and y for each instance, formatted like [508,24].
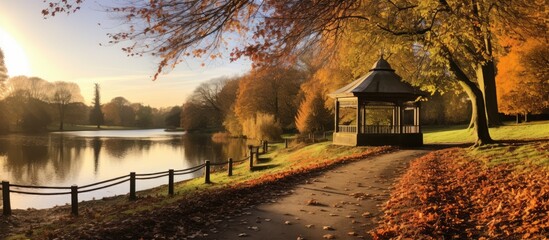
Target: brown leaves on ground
[446,195]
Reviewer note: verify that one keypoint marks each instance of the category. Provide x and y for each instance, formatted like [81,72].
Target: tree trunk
[61,116]
[471,95]
[477,101]
[525,117]
[486,77]
[517,119]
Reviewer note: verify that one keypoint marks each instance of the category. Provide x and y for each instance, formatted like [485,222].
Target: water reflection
[83,157]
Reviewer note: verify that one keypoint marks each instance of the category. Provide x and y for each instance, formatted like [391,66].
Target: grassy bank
[460,133]
[118,218]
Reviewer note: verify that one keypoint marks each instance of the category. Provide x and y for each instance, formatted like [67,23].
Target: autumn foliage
[523,78]
[447,195]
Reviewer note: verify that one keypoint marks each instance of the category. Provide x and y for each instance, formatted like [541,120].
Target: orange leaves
[444,195]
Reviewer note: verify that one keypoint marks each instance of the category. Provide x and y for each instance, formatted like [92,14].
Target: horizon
[52,57]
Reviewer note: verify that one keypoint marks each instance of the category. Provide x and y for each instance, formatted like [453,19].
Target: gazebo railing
[347,128]
[380,129]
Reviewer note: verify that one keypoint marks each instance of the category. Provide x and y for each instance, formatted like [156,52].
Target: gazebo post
[336,116]
[400,122]
[358,117]
[395,120]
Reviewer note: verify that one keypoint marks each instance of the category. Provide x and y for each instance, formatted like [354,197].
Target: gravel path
[342,203]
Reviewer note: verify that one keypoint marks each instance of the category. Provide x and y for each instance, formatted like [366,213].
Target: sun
[15,58]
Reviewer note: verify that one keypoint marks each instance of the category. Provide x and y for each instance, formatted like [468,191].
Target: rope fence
[6,188]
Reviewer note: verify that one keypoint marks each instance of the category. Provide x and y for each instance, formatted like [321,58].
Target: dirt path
[342,203]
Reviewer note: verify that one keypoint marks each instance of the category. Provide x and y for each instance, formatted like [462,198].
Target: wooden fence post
[230,167]
[251,156]
[170,182]
[207,174]
[132,186]
[6,209]
[74,200]
[286,142]
[266,146]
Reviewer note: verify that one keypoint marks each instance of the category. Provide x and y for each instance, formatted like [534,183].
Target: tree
[3,78]
[173,119]
[270,90]
[119,112]
[96,114]
[313,115]
[523,79]
[29,87]
[193,116]
[143,115]
[455,34]
[34,116]
[64,93]
[3,71]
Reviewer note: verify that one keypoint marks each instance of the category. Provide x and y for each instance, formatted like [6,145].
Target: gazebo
[378,109]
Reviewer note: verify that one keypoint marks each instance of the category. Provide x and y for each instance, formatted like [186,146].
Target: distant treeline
[31,104]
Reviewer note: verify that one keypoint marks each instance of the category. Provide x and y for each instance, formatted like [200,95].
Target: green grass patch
[460,133]
[280,160]
[523,155]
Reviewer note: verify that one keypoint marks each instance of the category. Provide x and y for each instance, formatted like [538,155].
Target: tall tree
[523,79]
[3,71]
[119,112]
[272,90]
[63,94]
[173,118]
[455,34]
[96,114]
[3,78]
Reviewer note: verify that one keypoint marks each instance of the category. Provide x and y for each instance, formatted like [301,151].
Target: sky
[74,48]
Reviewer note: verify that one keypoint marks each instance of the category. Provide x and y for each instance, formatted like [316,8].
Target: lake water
[85,157]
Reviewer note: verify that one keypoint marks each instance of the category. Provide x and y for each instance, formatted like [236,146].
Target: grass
[277,160]
[524,145]
[460,134]
[523,155]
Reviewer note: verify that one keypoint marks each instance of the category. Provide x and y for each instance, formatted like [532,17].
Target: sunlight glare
[15,58]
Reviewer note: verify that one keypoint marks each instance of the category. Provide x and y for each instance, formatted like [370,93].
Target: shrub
[263,126]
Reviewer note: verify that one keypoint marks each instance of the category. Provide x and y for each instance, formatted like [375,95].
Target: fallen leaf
[328,236]
[330,228]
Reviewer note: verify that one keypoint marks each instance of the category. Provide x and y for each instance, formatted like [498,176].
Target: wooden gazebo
[378,109]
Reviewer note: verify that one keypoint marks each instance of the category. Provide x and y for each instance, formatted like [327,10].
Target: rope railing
[38,187]
[40,193]
[190,171]
[6,188]
[103,187]
[242,160]
[152,177]
[102,182]
[150,174]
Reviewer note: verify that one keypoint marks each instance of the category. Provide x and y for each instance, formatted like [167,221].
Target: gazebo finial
[381,52]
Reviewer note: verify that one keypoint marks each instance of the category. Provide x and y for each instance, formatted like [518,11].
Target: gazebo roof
[380,81]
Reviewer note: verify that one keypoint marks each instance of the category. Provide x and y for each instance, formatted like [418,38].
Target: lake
[84,157]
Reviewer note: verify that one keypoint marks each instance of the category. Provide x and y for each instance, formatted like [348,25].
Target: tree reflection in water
[74,158]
